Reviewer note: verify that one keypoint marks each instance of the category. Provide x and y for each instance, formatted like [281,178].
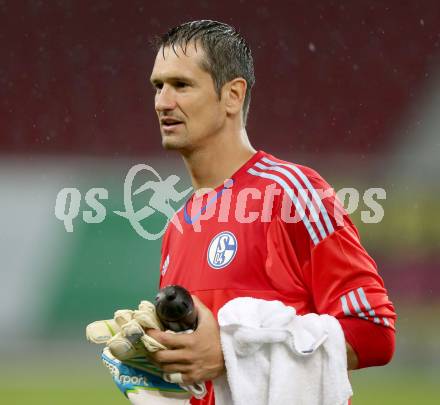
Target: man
[282,235]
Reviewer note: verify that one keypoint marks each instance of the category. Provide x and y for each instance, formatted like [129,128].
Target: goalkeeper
[277,231]
[272,229]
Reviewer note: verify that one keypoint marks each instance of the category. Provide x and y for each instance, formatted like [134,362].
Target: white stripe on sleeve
[294,199]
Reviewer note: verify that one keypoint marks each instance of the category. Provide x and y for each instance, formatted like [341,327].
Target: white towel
[275,357]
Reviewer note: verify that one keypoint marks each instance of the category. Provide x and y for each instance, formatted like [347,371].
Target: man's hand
[197,356]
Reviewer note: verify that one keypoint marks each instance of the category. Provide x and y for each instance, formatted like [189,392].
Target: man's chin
[171,144]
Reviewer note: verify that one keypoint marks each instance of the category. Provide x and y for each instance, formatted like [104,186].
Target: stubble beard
[168,143]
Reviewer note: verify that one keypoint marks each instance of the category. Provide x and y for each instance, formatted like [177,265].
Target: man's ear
[233,94]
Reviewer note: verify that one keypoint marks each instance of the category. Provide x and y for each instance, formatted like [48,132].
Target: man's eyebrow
[170,79]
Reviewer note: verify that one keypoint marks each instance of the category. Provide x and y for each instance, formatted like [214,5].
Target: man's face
[186,102]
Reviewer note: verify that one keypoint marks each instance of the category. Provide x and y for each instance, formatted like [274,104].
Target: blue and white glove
[141,383]
[127,347]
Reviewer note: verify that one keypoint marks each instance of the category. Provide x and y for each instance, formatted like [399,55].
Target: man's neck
[210,166]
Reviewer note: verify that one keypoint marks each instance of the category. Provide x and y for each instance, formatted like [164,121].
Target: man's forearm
[352,358]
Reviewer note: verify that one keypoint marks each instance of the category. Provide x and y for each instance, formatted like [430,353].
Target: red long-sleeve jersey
[276,231]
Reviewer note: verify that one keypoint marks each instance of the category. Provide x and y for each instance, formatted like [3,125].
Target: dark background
[331,75]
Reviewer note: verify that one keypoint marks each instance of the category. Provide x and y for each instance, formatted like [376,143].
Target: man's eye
[157,87]
[181,85]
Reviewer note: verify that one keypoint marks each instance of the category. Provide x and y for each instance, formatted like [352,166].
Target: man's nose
[165,99]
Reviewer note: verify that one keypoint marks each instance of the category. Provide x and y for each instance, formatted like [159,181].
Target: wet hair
[228,56]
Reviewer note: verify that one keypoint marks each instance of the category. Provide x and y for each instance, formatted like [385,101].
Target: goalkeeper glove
[127,341]
[141,383]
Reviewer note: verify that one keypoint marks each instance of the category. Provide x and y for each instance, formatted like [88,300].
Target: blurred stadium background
[350,88]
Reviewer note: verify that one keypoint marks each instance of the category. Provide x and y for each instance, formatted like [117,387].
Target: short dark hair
[227,53]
